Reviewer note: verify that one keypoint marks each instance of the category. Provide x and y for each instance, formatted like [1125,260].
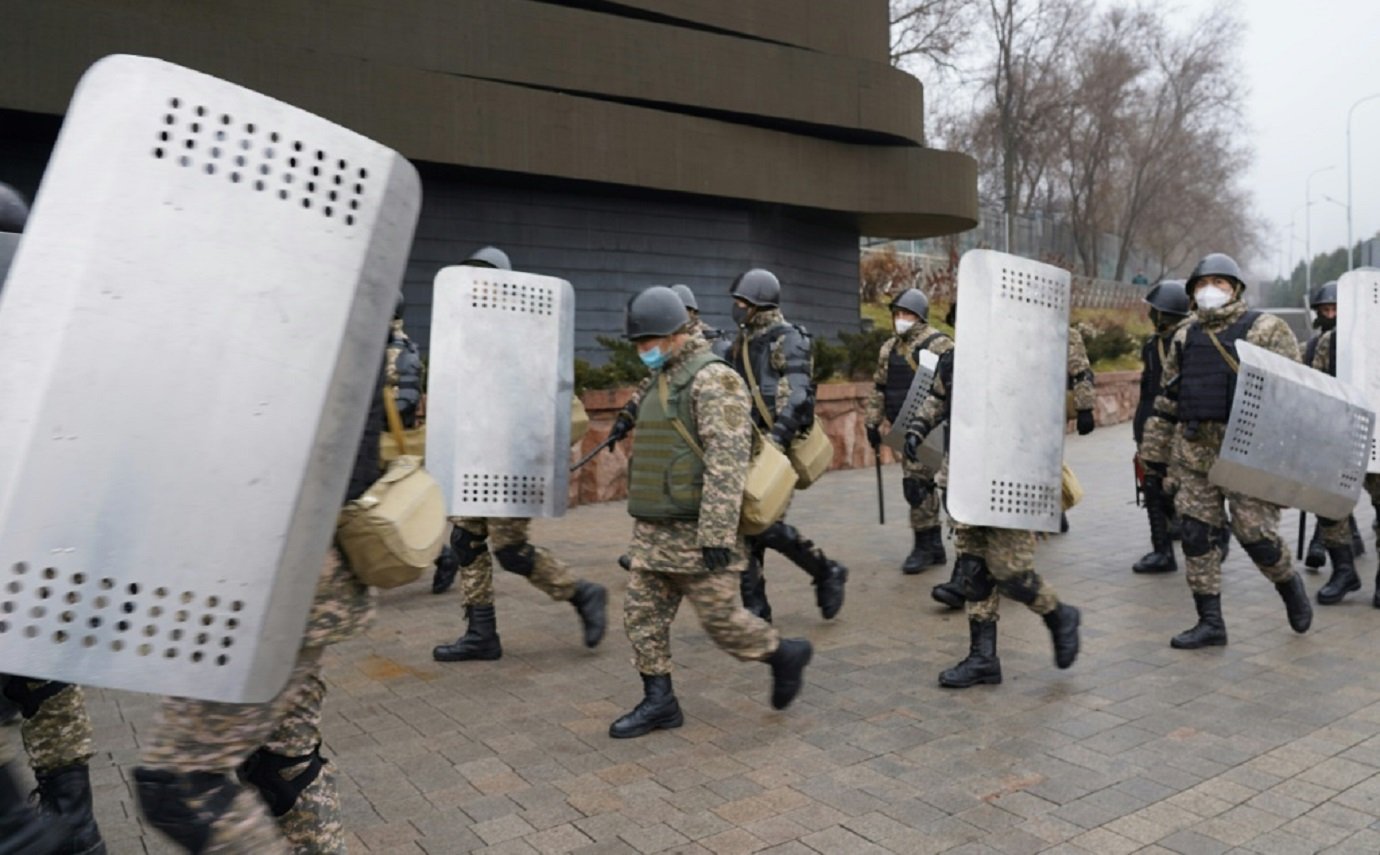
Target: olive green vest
[666,475]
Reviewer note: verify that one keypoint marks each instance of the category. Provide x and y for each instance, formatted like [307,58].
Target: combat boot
[1344,579]
[829,586]
[1210,631]
[982,665]
[1317,551]
[1296,605]
[788,670]
[659,710]
[919,557]
[1358,543]
[753,586]
[447,565]
[950,593]
[1161,557]
[480,640]
[1063,632]
[23,830]
[590,601]
[829,576]
[66,793]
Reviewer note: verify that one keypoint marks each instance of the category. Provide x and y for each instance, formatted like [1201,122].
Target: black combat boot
[829,576]
[1161,557]
[829,584]
[1344,579]
[24,831]
[982,665]
[950,593]
[659,710]
[919,557]
[1063,631]
[788,670]
[480,640]
[937,553]
[1210,631]
[1358,543]
[1317,551]
[1296,605]
[753,585]
[590,601]
[66,793]
[447,565]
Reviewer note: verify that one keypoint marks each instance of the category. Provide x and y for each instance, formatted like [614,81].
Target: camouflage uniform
[403,373]
[1337,533]
[665,555]
[58,733]
[1082,395]
[925,514]
[549,575]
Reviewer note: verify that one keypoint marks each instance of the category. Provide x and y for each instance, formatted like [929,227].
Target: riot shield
[1297,437]
[498,395]
[1006,441]
[931,451]
[1358,340]
[190,336]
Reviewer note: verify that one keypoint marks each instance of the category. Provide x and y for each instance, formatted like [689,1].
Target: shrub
[623,368]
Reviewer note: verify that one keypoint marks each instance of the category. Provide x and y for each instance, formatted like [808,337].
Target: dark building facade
[614,144]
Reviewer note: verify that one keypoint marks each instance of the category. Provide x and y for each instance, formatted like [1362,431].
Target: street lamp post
[1351,110]
[1308,227]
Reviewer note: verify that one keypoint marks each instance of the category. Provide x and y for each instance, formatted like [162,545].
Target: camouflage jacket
[910,339]
[1323,358]
[1084,396]
[1163,433]
[719,401]
[760,324]
[698,329]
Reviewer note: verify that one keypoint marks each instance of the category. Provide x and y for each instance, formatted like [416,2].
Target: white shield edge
[931,452]
[1358,340]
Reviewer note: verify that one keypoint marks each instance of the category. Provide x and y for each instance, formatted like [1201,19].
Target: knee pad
[916,491]
[974,579]
[1265,553]
[1023,587]
[264,770]
[1197,536]
[184,807]
[519,558]
[30,698]
[467,545]
[779,537]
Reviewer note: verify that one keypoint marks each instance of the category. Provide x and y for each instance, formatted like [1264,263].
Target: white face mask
[902,326]
[1210,297]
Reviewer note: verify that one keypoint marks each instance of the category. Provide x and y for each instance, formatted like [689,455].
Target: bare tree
[931,32]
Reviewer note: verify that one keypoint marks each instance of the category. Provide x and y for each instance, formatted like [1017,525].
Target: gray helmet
[1169,296]
[686,296]
[1216,264]
[913,300]
[657,311]
[1326,293]
[399,307]
[14,212]
[489,256]
[758,287]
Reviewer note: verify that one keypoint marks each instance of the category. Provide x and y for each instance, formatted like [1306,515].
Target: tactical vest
[1310,350]
[900,374]
[1207,383]
[757,353]
[408,365]
[666,476]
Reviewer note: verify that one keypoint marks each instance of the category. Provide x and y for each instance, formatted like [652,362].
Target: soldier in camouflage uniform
[1168,303]
[403,369]
[775,358]
[685,490]
[478,542]
[1188,426]
[896,366]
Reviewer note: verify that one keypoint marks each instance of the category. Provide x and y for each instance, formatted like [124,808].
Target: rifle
[607,443]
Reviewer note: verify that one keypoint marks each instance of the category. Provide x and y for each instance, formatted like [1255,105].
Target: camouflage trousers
[59,732]
[1338,532]
[926,513]
[1010,557]
[549,575]
[205,736]
[651,603]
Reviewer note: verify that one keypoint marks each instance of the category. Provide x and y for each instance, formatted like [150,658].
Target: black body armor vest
[1207,383]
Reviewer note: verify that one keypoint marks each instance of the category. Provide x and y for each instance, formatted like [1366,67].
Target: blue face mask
[653,358]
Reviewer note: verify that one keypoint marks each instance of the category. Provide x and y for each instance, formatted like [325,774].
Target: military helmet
[1216,264]
[686,296]
[489,256]
[14,212]
[657,311]
[758,287]
[399,307]
[1326,293]
[913,300]
[1169,296]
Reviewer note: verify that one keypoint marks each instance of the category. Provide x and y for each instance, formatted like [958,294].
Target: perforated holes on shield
[502,489]
[513,297]
[220,145]
[1025,287]
[47,603]
[1355,468]
[1252,396]
[1015,497]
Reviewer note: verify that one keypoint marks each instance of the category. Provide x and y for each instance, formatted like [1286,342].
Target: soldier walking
[1187,428]
[478,542]
[774,357]
[897,362]
[1168,303]
[685,491]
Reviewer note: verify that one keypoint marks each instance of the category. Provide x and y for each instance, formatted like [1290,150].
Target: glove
[874,437]
[1085,422]
[716,557]
[780,436]
[622,426]
[912,448]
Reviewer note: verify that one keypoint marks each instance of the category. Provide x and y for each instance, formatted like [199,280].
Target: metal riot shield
[498,392]
[1297,437]
[931,451]
[190,336]
[1358,340]
[1006,444]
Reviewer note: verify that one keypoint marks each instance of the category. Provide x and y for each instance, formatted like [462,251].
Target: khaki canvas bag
[1072,489]
[579,420]
[810,453]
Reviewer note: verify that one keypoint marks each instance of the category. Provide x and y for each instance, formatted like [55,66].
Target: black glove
[716,557]
[781,436]
[874,437]
[1085,422]
[912,448]
[622,426]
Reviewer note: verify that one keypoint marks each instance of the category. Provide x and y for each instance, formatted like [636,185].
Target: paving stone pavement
[1269,745]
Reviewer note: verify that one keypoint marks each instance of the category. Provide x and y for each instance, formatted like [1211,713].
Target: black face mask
[1326,324]
[741,314]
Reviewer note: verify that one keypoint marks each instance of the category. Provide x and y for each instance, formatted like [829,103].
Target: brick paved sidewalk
[1269,745]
